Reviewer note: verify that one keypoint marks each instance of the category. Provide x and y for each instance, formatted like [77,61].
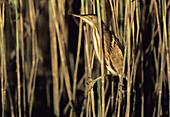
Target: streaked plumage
[113,49]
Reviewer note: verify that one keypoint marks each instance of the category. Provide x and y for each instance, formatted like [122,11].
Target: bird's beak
[84,18]
[75,15]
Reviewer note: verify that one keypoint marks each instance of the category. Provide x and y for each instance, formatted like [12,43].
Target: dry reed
[75,83]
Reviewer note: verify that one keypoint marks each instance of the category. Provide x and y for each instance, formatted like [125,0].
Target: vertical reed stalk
[21,38]
[17,60]
[103,11]
[54,63]
[161,79]
[102,58]
[129,58]
[166,44]
[167,50]
[99,97]
[32,80]
[112,83]
[77,61]
[142,78]
[3,60]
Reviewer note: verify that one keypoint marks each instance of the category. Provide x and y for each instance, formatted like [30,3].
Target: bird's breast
[96,43]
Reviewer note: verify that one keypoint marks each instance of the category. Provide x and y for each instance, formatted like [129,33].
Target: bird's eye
[90,17]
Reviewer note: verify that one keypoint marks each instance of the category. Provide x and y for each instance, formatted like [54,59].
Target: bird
[112,48]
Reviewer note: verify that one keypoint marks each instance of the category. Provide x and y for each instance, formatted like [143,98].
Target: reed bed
[48,64]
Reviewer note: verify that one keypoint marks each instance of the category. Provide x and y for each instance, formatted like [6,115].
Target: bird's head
[91,19]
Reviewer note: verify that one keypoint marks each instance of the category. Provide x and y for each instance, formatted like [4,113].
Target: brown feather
[113,49]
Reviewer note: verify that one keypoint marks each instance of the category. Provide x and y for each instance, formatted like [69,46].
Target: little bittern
[113,49]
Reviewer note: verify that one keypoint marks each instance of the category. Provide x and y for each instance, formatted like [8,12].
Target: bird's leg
[121,77]
[121,90]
